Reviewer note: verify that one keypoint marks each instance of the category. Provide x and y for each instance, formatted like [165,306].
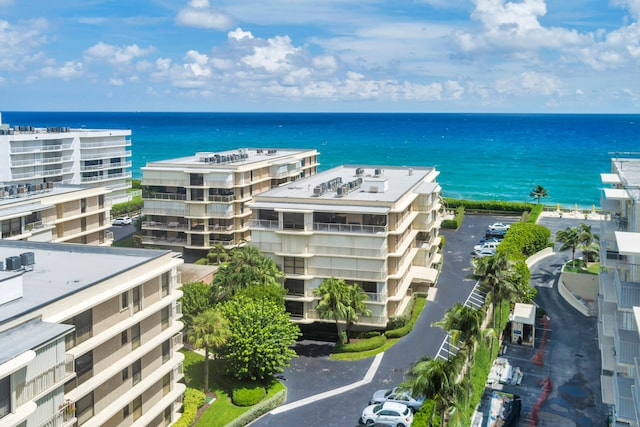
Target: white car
[391,413]
[122,220]
[486,245]
[398,395]
[485,252]
[499,226]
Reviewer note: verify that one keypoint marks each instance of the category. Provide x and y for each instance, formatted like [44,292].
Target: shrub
[193,399]
[450,224]
[260,409]
[248,395]
[399,332]
[535,213]
[422,417]
[364,345]
[396,322]
[419,303]
[368,334]
[442,241]
[489,205]
[125,208]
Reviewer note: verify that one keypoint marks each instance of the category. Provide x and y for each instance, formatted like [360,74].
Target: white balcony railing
[264,223]
[56,375]
[349,228]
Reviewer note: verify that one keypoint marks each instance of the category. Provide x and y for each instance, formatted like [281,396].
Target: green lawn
[222,411]
[593,268]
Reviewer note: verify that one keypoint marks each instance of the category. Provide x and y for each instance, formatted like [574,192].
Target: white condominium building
[374,226]
[30,155]
[89,336]
[200,202]
[619,293]
[56,213]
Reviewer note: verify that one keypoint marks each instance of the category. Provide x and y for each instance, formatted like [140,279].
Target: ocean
[479,156]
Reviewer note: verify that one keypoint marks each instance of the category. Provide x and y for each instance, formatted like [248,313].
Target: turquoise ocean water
[479,156]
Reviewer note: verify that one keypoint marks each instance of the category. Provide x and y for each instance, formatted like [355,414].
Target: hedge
[489,205]
[417,309]
[134,205]
[260,409]
[193,399]
[456,222]
[248,395]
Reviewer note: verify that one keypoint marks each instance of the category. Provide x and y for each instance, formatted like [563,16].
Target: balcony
[106,144]
[105,166]
[40,148]
[362,320]
[35,386]
[627,344]
[170,226]
[349,228]
[106,177]
[177,341]
[350,251]
[39,162]
[163,196]
[168,241]
[164,211]
[623,397]
[221,198]
[354,273]
[105,155]
[40,174]
[264,223]
[176,310]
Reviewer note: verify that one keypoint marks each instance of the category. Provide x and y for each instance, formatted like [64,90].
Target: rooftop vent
[13,263]
[377,172]
[28,259]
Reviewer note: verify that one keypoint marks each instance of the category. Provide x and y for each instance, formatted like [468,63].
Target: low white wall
[571,299]
[538,256]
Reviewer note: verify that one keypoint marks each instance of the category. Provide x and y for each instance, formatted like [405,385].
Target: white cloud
[276,56]
[200,14]
[531,82]
[115,54]
[632,5]
[239,34]
[113,81]
[70,69]
[19,44]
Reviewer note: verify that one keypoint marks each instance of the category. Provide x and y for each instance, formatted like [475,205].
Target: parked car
[486,245]
[485,252]
[392,413]
[122,220]
[499,226]
[497,234]
[398,395]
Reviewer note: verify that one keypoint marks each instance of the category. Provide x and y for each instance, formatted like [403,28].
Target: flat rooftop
[63,269]
[232,158]
[29,201]
[397,180]
[628,170]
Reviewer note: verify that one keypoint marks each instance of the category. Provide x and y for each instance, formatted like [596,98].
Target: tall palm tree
[209,331]
[494,274]
[355,306]
[435,379]
[539,192]
[333,302]
[570,238]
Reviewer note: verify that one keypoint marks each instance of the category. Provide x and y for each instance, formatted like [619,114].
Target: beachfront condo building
[31,155]
[373,226]
[89,336]
[200,202]
[619,293]
[54,212]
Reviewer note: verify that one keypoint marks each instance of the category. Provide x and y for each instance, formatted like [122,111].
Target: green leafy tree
[333,304]
[538,193]
[356,306]
[589,243]
[261,337]
[195,300]
[209,331]
[247,267]
[570,238]
[270,291]
[218,254]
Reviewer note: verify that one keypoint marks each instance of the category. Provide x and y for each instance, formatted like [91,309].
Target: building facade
[200,202]
[56,213]
[374,226]
[619,293]
[89,336]
[30,155]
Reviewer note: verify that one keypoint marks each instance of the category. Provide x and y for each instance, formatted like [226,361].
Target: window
[137,407]
[84,367]
[293,265]
[293,221]
[165,280]
[294,286]
[5,396]
[83,205]
[135,336]
[164,317]
[167,415]
[136,371]
[166,384]
[124,300]
[84,408]
[166,351]
[136,297]
[124,337]
[84,329]
[101,201]
[125,374]
[125,412]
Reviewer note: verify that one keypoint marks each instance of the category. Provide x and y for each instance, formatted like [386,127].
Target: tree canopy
[261,337]
[195,300]
[210,331]
[538,193]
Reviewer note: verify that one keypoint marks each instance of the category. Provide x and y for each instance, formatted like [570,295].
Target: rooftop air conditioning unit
[13,263]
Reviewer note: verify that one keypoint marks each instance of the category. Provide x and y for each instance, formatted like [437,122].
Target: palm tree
[589,243]
[539,192]
[334,299]
[355,306]
[209,331]
[494,274]
[570,237]
[435,379]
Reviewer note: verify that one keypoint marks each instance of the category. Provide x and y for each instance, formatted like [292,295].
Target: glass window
[124,337]
[164,317]
[136,371]
[84,408]
[165,284]
[293,221]
[135,336]
[125,412]
[166,351]
[167,415]
[125,374]
[136,297]
[84,367]
[137,407]
[166,384]
[84,329]
[293,265]
[5,396]
[124,300]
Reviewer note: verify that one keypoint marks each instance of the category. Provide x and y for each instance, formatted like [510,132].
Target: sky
[520,56]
